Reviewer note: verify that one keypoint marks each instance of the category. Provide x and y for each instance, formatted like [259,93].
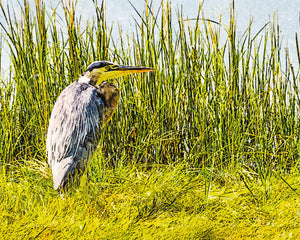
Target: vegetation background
[207,147]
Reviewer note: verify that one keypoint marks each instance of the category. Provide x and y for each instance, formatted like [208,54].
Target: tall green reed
[209,103]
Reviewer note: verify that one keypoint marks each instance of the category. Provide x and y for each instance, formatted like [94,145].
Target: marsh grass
[206,147]
[131,203]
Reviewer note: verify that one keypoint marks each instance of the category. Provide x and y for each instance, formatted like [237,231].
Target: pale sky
[122,13]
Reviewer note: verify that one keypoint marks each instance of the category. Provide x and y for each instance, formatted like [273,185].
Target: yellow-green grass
[166,202]
[207,147]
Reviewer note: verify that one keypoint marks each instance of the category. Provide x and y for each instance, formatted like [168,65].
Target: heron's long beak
[131,69]
[115,71]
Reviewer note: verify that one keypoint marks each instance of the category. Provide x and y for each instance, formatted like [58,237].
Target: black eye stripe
[111,68]
[98,64]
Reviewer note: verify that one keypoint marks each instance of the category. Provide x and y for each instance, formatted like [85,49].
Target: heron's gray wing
[74,129]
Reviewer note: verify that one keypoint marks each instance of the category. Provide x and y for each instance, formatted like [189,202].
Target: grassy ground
[166,202]
[207,147]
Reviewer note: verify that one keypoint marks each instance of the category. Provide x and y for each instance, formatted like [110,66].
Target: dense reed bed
[215,115]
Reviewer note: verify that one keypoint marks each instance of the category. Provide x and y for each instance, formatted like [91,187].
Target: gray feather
[74,130]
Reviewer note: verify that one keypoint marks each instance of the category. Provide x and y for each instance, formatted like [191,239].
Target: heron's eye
[111,68]
[107,68]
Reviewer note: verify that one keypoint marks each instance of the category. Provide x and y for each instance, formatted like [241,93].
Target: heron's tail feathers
[60,171]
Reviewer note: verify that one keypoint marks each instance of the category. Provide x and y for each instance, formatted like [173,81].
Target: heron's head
[100,71]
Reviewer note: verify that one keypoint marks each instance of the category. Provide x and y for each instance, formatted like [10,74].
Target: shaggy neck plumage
[89,78]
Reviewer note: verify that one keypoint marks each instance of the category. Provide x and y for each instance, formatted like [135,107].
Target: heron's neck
[84,79]
[89,78]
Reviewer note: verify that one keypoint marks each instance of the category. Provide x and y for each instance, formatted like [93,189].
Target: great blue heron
[77,118]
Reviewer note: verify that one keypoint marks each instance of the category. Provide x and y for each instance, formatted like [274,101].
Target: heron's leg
[62,196]
[61,191]
[84,173]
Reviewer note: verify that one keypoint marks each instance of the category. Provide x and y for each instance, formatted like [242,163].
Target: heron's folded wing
[75,123]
